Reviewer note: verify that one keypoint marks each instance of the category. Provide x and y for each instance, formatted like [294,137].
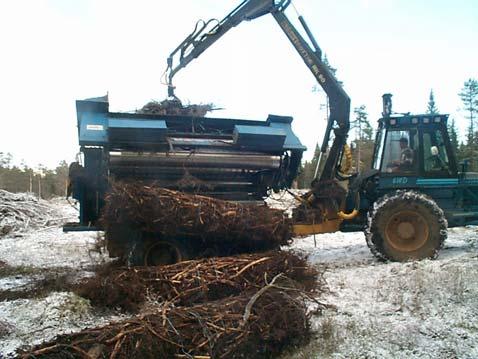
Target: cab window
[399,154]
[379,143]
[435,159]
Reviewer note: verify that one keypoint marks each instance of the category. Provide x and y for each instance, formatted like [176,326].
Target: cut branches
[175,108]
[214,329]
[227,227]
[22,211]
[197,281]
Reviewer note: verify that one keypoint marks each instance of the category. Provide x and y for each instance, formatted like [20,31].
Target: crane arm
[339,102]
[203,36]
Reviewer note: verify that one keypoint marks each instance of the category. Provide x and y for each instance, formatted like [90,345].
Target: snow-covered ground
[424,309]
[29,257]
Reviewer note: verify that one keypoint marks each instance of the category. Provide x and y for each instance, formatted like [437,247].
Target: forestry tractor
[404,203]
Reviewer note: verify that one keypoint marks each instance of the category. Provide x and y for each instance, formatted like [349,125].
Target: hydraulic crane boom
[339,102]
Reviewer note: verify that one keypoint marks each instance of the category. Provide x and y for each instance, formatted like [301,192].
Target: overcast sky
[56,51]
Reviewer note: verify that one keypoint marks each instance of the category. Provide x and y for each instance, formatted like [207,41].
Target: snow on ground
[424,309]
[31,321]
[49,247]
[27,258]
[20,212]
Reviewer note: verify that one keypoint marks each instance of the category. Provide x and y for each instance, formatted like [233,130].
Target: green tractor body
[415,189]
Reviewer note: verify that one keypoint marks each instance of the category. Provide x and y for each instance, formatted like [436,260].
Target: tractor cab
[409,147]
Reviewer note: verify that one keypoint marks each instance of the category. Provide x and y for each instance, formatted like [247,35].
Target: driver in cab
[405,163]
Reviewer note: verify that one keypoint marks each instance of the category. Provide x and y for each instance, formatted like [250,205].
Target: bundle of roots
[168,213]
[247,306]
[324,200]
[196,281]
[252,325]
[176,108]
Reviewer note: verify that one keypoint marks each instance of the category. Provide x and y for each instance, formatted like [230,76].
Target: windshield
[399,153]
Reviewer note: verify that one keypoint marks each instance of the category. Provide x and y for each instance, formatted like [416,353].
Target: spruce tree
[431,107]
[453,133]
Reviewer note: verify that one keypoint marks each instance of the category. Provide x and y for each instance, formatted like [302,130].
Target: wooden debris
[196,281]
[228,227]
[175,108]
[22,211]
[218,329]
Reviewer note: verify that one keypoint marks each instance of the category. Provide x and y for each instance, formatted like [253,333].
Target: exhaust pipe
[387,105]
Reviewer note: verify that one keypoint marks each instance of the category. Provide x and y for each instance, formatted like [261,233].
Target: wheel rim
[162,253]
[406,231]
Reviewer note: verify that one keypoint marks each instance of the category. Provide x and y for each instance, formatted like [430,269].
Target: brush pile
[175,108]
[237,327]
[246,306]
[169,213]
[21,211]
[198,281]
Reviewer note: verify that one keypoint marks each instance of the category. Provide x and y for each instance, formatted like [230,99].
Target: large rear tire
[156,252]
[406,225]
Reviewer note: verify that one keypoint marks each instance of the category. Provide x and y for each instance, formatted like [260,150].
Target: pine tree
[332,69]
[469,97]
[363,138]
[431,107]
[329,66]
[307,173]
[43,182]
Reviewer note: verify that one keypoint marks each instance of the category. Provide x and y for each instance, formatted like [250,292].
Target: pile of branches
[196,281]
[22,211]
[247,306]
[251,325]
[176,108]
[169,213]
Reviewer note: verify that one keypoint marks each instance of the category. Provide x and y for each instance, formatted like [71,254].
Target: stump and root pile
[214,225]
[196,281]
[243,306]
[237,327]
[248,306]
